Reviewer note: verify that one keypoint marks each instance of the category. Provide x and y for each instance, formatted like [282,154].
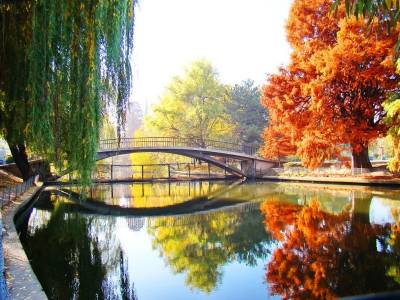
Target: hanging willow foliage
[15,34]
[79,66]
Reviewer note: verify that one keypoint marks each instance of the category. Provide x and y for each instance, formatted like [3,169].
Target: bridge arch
[204,150]
[198,204]
[188,153]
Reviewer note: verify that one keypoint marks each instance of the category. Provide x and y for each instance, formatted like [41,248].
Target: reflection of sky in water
[381,210]
[124,202]
[153,279]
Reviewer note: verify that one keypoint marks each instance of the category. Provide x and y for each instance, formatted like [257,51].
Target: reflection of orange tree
[323,256]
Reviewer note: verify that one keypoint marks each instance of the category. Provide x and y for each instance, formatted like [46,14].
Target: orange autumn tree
[331,93]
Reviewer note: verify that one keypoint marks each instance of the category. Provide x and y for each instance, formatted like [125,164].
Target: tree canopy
[193,105]
[248,116]
[387,13]
[63,63]
[331,93]
[197,105]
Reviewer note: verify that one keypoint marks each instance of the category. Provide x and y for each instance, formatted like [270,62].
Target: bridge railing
[160,142]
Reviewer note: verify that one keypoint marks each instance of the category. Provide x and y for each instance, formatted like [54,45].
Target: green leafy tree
[246,112]
[63,63]
[15,28]
[392,119]
[108,130]
[193,105]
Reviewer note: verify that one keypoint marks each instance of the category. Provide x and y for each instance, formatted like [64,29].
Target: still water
[214,240]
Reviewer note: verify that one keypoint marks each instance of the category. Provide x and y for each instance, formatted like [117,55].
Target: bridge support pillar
[248,167]
[256,169]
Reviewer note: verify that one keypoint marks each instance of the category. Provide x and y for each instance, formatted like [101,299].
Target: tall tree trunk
[361,158]
[18,152]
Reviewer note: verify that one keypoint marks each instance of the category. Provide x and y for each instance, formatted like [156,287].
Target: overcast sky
[242,39]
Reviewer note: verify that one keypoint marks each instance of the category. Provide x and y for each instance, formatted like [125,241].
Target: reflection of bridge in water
[206,203]
[216,153]
[137,223]
[158,194]
[191,212]
[222,197]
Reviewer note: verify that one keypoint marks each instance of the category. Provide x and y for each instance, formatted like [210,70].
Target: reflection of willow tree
[323,256]
[125,290]
[200,249]
[75,257]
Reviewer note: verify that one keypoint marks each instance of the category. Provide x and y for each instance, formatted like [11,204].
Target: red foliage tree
[331,93]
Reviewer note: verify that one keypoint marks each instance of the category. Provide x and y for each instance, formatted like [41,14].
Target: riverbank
[21,280]
[388,182]
[348,180]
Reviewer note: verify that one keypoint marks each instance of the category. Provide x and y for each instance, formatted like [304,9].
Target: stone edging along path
[21,280]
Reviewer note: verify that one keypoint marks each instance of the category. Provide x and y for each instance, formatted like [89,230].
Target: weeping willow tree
[15,34]
[75,57]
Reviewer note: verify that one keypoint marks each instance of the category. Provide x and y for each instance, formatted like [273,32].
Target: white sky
[242,39]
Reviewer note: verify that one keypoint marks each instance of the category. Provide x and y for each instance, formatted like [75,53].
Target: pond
[213,240]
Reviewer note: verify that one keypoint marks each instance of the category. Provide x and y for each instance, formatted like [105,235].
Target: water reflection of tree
[323,256]
[200,249]
[76,257]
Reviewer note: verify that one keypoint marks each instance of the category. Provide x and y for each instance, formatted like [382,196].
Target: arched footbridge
[217,153]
